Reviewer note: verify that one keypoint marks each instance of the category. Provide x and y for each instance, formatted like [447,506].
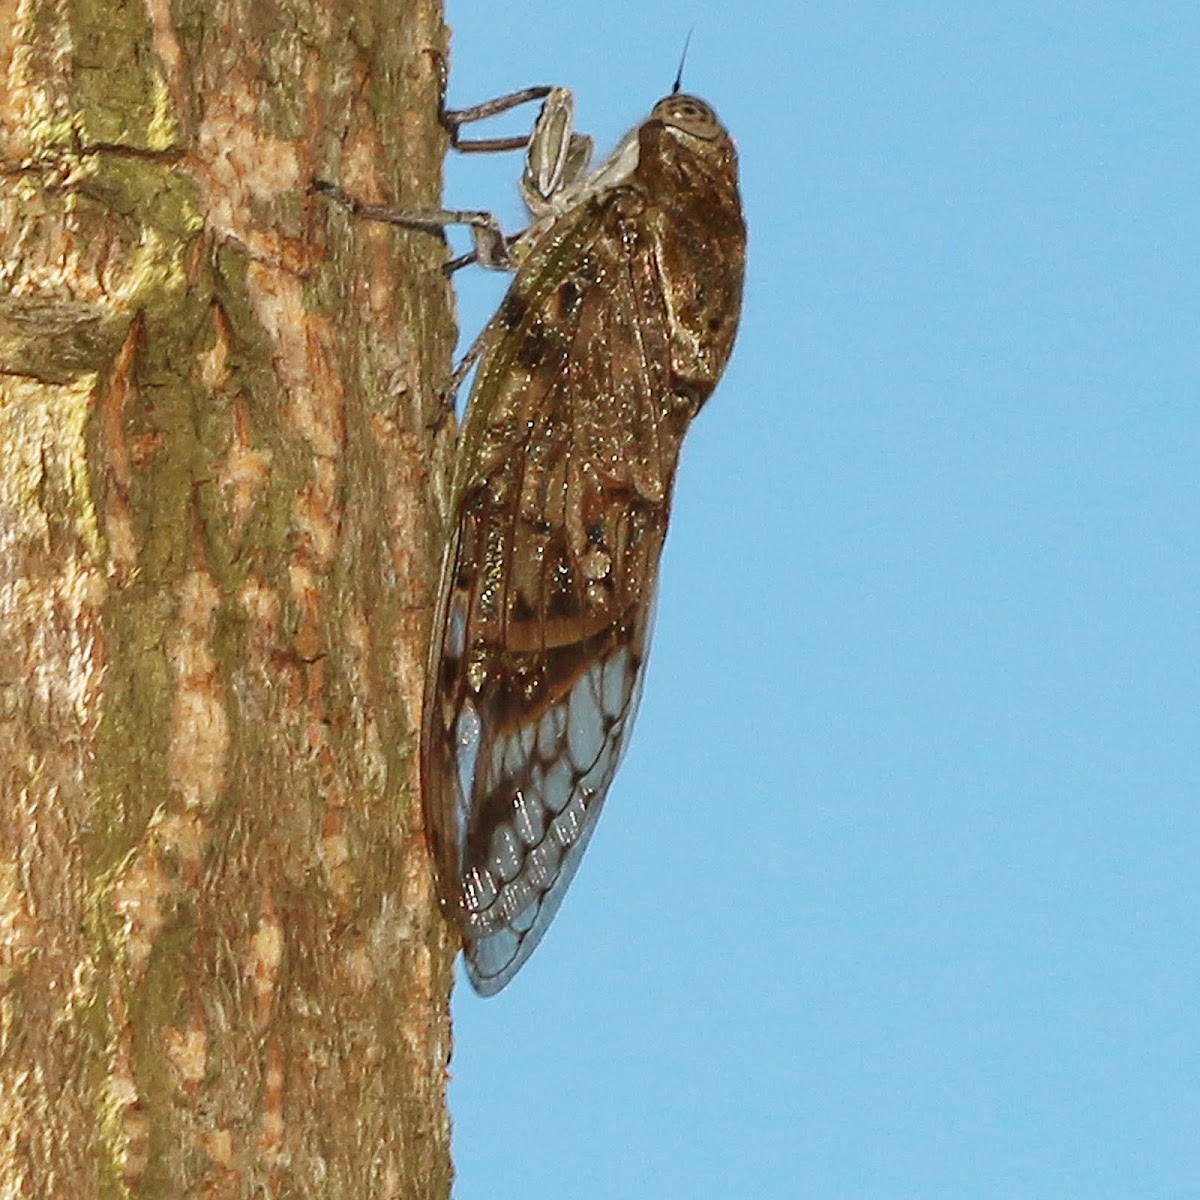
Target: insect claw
[468,361]
[456,264]
[336,194]
[448,396]
[445,410]
[442,70]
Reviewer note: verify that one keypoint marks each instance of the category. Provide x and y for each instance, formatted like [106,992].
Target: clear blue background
[896,894]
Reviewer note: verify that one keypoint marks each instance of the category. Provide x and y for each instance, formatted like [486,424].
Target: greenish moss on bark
[118,88]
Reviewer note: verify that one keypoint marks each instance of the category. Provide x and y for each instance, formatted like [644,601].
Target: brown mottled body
[615,331]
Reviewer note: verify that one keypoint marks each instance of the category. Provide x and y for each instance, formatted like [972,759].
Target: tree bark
[222,972]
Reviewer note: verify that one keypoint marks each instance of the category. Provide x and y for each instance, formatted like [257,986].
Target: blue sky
[896,894]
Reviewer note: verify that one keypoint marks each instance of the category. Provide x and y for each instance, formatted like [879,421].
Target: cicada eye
[689,114]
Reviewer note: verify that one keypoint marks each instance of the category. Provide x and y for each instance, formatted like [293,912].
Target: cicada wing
[539,671]
[543,624]
[557,770]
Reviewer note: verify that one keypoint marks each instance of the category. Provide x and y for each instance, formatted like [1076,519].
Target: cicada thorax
[612,335]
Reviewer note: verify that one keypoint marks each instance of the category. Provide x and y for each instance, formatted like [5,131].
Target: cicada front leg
[556,157]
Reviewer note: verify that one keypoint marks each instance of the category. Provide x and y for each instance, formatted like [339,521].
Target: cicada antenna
[687,41]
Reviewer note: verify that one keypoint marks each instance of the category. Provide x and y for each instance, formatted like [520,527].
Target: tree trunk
[221,968]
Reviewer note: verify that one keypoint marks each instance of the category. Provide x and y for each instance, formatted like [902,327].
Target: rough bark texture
[221,969]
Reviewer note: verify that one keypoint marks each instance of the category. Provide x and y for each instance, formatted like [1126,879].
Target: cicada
[616,328]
